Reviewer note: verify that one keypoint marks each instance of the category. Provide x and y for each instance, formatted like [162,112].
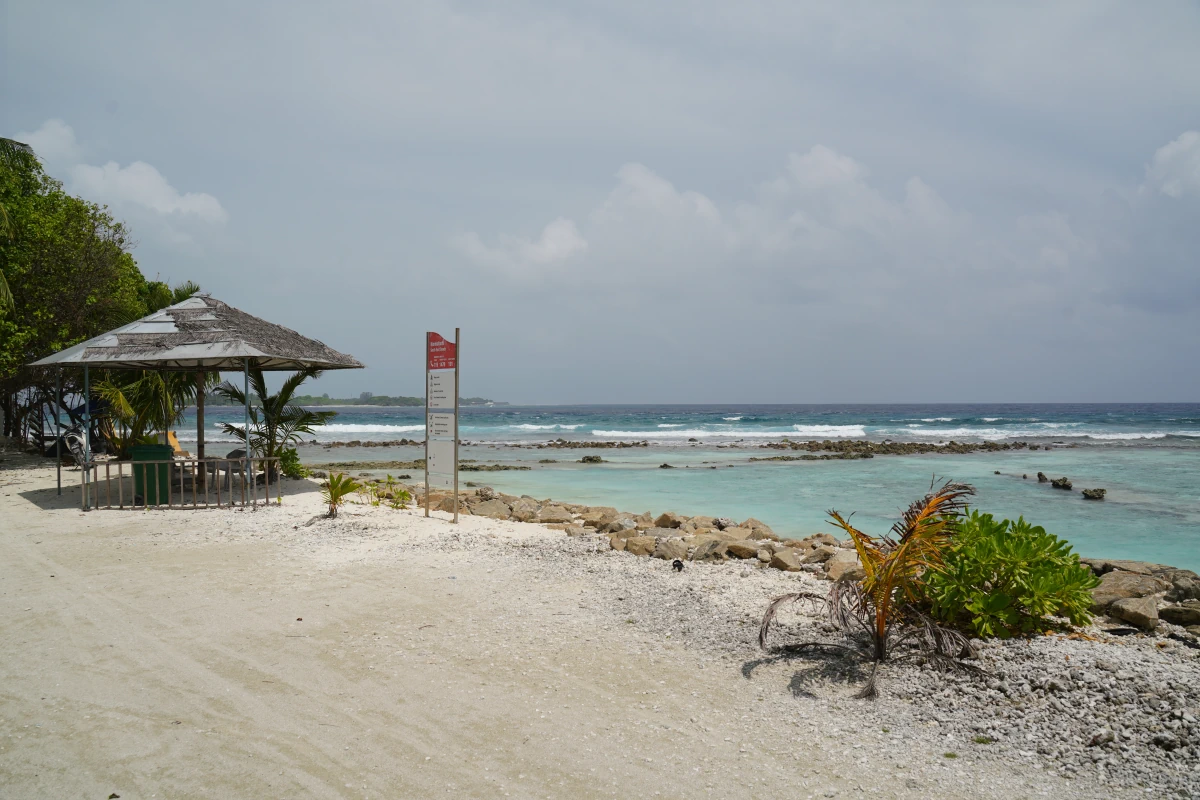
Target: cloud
[1175,170]
[559,241]
[139,186]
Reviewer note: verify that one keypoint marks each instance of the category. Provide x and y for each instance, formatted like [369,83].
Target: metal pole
[87,435]
[457,356]
[200,426]
[58,427]
[427,423]
[246,430]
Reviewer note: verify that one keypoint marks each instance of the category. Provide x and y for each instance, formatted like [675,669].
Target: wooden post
[427,424]
[457,392]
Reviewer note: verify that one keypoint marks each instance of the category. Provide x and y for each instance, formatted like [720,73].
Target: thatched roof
[201,333]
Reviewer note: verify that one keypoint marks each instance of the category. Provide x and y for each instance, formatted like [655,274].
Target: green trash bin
[144,485]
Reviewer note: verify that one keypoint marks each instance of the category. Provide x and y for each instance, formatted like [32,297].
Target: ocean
[1146,455]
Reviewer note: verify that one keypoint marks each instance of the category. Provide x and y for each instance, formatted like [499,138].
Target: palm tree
[141,403]
[886,598]
[9,151]
[275,422]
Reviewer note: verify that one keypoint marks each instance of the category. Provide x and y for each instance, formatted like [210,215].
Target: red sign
[439,353]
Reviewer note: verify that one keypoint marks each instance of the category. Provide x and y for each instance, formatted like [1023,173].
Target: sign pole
[457,360]
[427,423]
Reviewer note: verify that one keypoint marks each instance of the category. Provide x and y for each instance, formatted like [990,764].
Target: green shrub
[1002,578]
[289,464]
[336,487]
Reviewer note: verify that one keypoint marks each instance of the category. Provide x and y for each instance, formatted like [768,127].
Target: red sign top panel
[439,352]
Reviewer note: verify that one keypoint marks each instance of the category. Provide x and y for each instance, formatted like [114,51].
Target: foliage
[398,497]
[276,421]
[1002,578]
[887,597]
[289,464]
[337,487]
[141,402]
[369,494]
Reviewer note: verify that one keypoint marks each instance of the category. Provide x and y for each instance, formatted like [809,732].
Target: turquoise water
[1146,456]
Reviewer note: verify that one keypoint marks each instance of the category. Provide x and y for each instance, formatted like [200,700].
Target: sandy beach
[245,654]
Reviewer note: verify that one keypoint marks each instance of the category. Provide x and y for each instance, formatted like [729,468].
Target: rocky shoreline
[1119,700]
[838,448]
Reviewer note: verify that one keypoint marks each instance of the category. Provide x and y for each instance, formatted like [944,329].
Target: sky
[670,202]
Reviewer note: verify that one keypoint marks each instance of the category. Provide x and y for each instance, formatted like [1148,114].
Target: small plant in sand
[397,496]
[337,487]
[880,614]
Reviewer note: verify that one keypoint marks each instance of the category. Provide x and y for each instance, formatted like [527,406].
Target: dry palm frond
[779,602]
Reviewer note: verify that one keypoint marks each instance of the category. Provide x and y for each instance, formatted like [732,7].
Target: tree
[141,402]
[275,422]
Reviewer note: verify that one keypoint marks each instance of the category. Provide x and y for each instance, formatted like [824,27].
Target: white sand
[159,654]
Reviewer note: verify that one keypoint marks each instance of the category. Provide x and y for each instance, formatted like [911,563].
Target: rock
[711,550]
[574,530]
[742,549]
[591,460]
[1180,615]
[733,533]
[1102,736]
[1119,585]
[555,514]
[700,523]
[525,510]
[669,520]
[617,542]
[486,493]
[762,534]
[821,538]
[598,517]
[1194,630]
[722,523]
[1061,483]
[756,525]
[496,509]
[1042,477]
[1139,611]
[844,564]
[1094,494]
[628,533]
[670,549]
[765,556]
[1185,585]
[1166,741]
[661,533]
[819,555]
[620,524]
[786,560]
[1139,567]
[665,466]
[640,545]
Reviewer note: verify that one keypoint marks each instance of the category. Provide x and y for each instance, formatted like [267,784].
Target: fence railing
[181,483]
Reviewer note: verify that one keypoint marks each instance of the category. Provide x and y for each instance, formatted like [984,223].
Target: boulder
[620,524]
[661,533]
[591,460]
[711,550]
[821,538]
[1139,611]
[574,530]
[598,516]
[786,560]
[724,522]
[742,549]
[756,524]
[765,556]
[617,542]
[1061,483]
[1094,494]
[496,509]
[820,555]
[701,522]
[670,549]
[1180,615]
[669,520]
[1042,477]
[844,564]
[733,533]
[762,534]
[1194,630]
[555,514]
[627,533]
[525,510]
[1120,585]
[1184,587]
[485,493]
[640,545]
[1139,567]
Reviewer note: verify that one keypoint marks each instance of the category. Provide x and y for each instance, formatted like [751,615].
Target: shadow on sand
[832,666]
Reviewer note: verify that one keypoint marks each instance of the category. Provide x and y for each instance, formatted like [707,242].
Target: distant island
[364,399]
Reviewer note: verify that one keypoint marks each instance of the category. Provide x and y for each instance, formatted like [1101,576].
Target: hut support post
[58,428]
[200,475]
[246,429]
[87,435]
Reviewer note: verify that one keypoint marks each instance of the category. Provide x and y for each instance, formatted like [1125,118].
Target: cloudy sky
[657,202]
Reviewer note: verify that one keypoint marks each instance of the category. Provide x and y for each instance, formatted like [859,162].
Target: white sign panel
[440,481]
[441,392]
[441,457]
[441,425]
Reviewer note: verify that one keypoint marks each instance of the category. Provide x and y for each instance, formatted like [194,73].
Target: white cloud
[559,241]
[54,142]
[1175,170]
[139,186]
[143,185]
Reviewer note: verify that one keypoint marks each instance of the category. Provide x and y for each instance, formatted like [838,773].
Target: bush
[334,492]
[1005,578]
[290,466]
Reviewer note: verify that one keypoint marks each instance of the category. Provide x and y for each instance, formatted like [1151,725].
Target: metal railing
[189,483]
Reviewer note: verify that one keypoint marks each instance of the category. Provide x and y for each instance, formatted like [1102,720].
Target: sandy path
[159,655]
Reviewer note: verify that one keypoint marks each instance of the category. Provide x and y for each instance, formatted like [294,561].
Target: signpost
[441,416]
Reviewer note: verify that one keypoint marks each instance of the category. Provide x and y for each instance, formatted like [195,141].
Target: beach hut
[199,335]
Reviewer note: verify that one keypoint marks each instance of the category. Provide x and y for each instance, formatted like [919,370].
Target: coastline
[500,650]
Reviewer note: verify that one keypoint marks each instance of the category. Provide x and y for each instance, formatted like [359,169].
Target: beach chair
[173,440]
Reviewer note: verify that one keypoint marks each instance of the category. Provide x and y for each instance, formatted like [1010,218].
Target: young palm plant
[884,603]
[141,402]
[275,422]
[334,492]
